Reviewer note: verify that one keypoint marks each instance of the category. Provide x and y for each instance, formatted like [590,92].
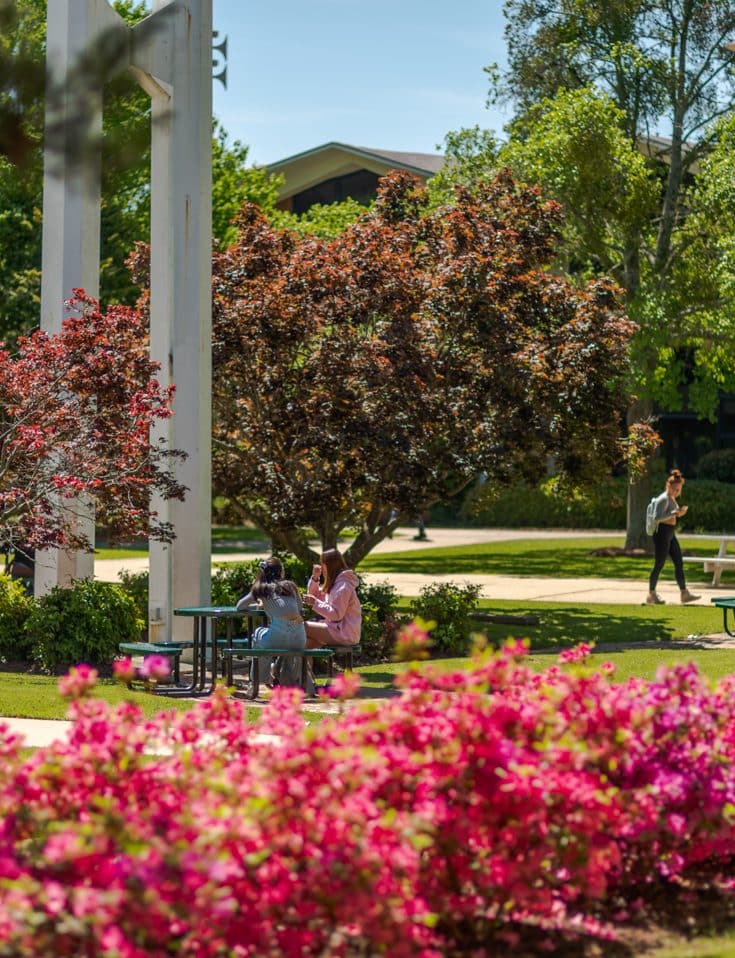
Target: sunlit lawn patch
[553,558]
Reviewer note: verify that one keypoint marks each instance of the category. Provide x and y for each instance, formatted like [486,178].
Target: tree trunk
[639,493]
[366,540]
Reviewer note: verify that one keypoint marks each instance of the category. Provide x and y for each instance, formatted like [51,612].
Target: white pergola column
[170,53]
[177,75]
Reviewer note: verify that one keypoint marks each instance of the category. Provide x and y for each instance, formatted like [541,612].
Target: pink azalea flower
[580,653]
[124,670]
[155,667]
[412,643]
[78,682]
[345,686]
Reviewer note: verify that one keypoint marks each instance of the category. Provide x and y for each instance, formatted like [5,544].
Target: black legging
[666,544]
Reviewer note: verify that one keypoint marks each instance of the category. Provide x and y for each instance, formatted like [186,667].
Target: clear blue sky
[389,74]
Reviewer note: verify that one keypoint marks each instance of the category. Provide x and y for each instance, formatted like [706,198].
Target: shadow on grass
[564,626]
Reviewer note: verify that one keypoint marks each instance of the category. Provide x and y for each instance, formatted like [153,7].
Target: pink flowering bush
[154,669]
[473,811]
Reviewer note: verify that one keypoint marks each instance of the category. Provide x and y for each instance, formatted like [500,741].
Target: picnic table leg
[202,653]
[304,673]
[185,690]
[255,677]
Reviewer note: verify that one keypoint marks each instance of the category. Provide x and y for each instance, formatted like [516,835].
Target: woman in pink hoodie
[332,595]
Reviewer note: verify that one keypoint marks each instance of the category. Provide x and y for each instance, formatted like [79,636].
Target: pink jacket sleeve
[333,606]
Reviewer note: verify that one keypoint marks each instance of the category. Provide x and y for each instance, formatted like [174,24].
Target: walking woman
[666,512]
[332,595]
[281,601]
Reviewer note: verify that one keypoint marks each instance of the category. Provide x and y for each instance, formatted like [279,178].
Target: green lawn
[559,558]
[641,663]
[224,539]
[37,696]
[722,946]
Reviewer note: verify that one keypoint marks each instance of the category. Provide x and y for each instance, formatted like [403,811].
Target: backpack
[651,521]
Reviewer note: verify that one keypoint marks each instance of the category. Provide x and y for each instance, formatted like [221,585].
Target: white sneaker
[687,596]
[653,598]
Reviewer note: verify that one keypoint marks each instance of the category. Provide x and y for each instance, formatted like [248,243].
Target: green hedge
[15,607]
[718,464]
[85,623]
[711,506]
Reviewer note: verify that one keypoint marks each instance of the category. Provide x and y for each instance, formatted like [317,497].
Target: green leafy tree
[22,80]
[664,67]
[324,221]
[125,164]
[471,156]
[234,183]
[383,369]
[575,146]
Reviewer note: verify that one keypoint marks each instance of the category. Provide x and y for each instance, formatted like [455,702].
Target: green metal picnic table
[726,603]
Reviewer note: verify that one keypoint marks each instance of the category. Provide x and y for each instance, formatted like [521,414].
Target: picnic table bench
[168,649]
[241,649]
[717,563]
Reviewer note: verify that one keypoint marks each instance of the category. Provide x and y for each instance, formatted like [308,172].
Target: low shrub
[475,812]
[136,584]
[718,464]
[604,507]
[15,608]
[449,606]
[380,619]
[711,506]
[84,623]
[546,506]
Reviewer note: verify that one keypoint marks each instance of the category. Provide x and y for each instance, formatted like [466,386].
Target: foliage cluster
[718,464]
[85,623]
[231,581]
[135,585]
[474,811]
[448,606]
[360,379]
[125,165]
[15,607]
[76,411]
[380,619]
[591,81]
[546,506]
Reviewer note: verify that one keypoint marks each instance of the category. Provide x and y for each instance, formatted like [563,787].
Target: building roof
[419,162]
[304,170]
